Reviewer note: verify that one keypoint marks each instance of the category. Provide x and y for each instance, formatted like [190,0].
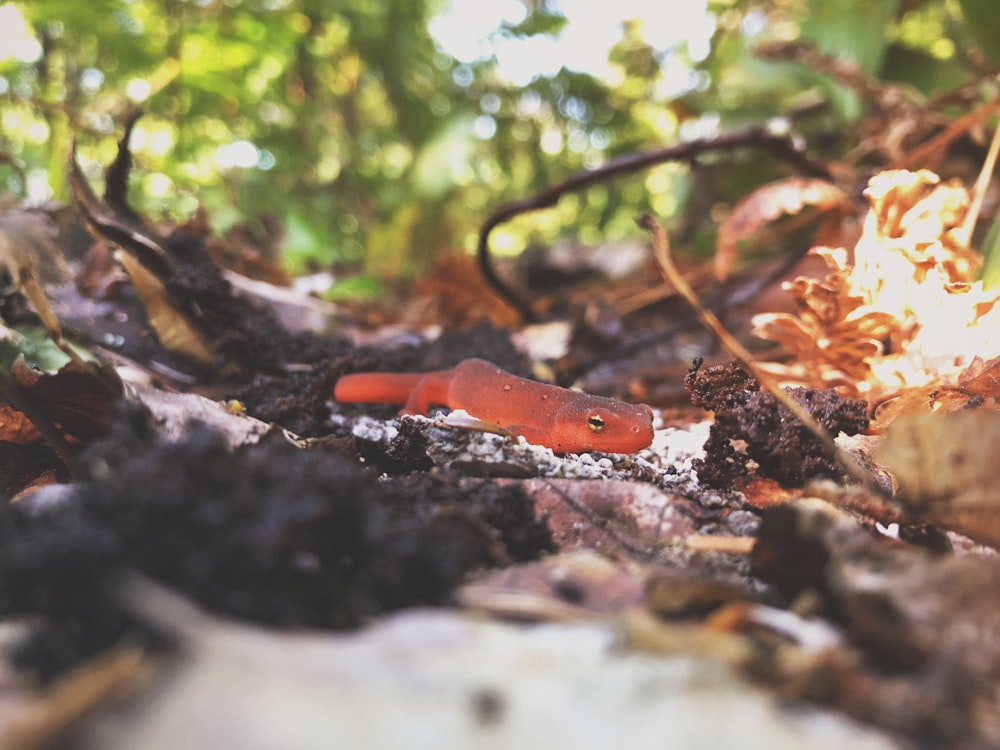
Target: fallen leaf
[76,399]
[833,330]
[34,721]
[981,377]
[767,204]
[921,625]
[177,415]
[15,427]
[614,516]
[173,328]
[571,586]
[943,466]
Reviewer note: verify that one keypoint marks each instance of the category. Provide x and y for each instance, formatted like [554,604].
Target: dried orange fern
[907,311]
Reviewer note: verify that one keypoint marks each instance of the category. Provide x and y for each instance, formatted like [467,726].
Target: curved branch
[781,146]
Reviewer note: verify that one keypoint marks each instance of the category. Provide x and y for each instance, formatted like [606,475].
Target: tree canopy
[349,124]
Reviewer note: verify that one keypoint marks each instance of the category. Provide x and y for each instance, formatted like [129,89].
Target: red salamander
[565,421]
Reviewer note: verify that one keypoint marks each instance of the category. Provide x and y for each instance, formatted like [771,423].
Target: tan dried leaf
[916,204]
[174,330]
[908,260]
[928,398]
[567,587]
[944,468]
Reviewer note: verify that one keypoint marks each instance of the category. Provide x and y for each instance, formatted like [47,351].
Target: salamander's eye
[596,423]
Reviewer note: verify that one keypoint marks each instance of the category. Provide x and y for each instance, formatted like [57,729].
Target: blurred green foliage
[373,147]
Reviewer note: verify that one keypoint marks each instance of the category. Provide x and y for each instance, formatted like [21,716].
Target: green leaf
[991,254]
[306,242]
[539,21]
[354,288]
[35,346]
[854,30]
[921,70]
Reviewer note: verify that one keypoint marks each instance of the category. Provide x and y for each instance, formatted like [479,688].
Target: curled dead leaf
[916,203]
[767,204]
[172,326]
[78,400]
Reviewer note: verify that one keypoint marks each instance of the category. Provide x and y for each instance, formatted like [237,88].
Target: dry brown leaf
[981,377]
[177,415]
[15,427]
[983,394]
[943,466]
[173,329]
[916,204]
[910,264]
[454,293]
[978,386]
[616,516]
[924,399]
[767,204]
[26,467]
[77,399]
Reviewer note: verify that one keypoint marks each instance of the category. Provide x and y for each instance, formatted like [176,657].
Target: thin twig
[661,245]
[759,137]
[935,147]
[979,189]
[731,294]
[737,545]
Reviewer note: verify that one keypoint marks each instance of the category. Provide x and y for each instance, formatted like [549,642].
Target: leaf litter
[302,516]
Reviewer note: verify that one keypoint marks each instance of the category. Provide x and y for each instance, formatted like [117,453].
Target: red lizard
[565,421]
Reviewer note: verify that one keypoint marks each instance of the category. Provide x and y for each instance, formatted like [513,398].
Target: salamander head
[602,424]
